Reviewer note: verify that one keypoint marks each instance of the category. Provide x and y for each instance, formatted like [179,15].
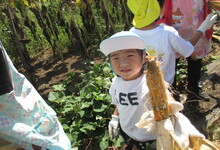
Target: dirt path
[51,71]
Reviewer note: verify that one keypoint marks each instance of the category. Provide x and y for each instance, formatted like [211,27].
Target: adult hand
[207,23]
[113,127]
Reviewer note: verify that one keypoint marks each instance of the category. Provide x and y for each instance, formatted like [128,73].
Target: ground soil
[50,71]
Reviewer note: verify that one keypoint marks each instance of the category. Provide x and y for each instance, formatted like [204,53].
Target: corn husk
[174,131]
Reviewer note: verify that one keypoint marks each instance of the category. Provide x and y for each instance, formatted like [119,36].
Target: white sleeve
[180,45]
[112,92]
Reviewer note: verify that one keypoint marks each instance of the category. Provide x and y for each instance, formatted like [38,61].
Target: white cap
[122,40]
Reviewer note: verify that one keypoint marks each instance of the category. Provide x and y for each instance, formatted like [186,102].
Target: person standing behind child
[161,40]
[186,19]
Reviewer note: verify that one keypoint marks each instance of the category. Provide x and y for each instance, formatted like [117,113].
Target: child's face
[127,63]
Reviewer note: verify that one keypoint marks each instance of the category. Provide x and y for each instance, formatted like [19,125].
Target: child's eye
[130,55]
[115,58]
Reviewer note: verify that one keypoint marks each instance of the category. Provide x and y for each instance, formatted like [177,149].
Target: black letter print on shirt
[121,99]
[131,98]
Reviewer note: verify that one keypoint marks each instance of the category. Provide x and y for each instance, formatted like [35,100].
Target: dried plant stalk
[157,89]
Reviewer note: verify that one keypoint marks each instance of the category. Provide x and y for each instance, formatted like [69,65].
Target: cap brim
[121,42]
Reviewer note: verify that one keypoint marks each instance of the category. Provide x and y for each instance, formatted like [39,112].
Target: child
[162,41]
[186,19]
[126,52]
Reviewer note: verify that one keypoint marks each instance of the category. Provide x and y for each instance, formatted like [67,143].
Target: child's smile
[125,70]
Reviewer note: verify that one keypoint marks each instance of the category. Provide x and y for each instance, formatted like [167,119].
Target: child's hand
[113,127]
[207,23]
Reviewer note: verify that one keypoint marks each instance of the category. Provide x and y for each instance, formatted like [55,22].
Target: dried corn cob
[157,90]
[186,137]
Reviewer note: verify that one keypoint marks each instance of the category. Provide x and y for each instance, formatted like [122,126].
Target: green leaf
[90,88]
[119,141]
[86,105]
[99,107]
[53,96]
[81,113]
[101,97]
[59,87]
[87,127]
[103,145]
[65,126]
[212,58]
